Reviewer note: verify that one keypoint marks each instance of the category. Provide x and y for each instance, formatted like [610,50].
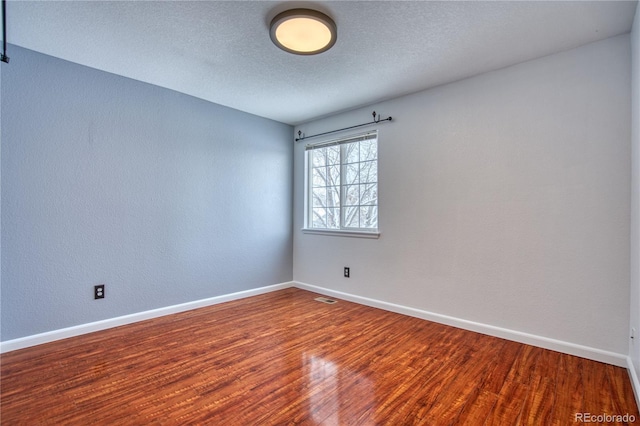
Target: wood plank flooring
[283,358]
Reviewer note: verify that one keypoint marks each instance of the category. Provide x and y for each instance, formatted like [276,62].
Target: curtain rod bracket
[376,120]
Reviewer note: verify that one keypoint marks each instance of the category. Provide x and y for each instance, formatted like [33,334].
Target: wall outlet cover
[98,291]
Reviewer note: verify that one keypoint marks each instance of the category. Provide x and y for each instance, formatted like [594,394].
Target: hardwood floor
[283,358]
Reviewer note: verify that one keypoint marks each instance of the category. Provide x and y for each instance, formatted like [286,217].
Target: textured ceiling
[221,51]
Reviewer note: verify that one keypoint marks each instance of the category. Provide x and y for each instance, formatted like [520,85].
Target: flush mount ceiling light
[303,31]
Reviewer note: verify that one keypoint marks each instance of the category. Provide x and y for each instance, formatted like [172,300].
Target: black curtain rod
[3,56]
[376,120]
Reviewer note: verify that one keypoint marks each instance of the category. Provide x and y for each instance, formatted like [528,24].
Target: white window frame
[308,188]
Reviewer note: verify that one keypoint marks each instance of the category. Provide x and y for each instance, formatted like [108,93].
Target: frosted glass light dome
[303,31]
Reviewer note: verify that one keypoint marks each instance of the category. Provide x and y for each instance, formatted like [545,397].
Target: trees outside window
[343,184]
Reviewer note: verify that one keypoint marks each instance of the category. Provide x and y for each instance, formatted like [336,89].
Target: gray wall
[504,200]
[634,348]
[163,197]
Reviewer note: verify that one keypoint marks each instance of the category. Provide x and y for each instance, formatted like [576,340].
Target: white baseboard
[530,339]
[595,354]
[635,380]
[50,336]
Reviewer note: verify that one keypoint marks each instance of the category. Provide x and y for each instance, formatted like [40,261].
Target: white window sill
[341,233]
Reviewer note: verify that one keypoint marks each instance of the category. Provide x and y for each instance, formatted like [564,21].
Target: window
[342,185]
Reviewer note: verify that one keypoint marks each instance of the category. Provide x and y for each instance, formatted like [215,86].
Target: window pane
[319,218]
[318,157]
[319,176]
[369,171]
[352,195]
[369,217]
[333,155]
[351,217]
[333,196]
[351,152]
[369,150]
[352,173]
[369,194]
[333,218]
[319,197]
[333,175]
